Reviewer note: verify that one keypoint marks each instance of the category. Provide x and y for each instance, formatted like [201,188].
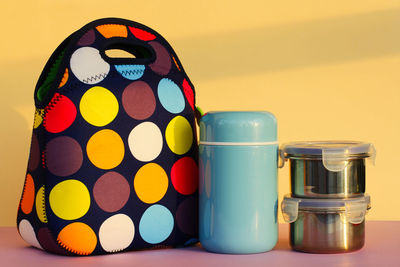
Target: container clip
[290,209]
[334,159]
[355,213]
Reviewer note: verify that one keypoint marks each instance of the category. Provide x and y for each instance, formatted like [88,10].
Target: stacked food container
[327,206]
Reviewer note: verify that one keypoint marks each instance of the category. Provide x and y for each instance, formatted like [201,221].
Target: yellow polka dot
[99,106]
[69,199]
[151,183]
[78,238]
[105,149]
[40,205]
[179,135]
[38,118]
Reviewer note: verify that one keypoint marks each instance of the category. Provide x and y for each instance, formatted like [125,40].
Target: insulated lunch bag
[113,157]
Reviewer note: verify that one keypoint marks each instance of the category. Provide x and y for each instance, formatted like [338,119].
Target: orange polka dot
[64,79]
[112,30]
[78,238]
[151,183]
[28,195]
[105,149]
[176,63]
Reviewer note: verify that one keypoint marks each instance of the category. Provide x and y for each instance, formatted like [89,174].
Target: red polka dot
[187,89]
[60,113]
[141,34]
[184,176]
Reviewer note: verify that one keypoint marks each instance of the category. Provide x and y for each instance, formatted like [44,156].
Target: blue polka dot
[156,224]
[191,242]
[131,72]
[171,96]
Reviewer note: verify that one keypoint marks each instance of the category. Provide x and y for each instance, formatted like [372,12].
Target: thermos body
[238,182]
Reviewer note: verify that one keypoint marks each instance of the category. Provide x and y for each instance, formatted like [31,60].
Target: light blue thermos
[238,203]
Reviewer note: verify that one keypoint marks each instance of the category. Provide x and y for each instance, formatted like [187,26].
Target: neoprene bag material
[113,158]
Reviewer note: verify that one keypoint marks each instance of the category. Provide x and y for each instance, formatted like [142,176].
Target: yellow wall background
[326,69]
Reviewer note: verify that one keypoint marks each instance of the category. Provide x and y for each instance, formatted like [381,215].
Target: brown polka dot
[87,39]
[138,100]
[187,216]
[111,191]
[34,157]
[63,156]
[162,65]
[48,242]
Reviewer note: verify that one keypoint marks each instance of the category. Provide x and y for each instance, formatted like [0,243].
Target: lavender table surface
[382,249]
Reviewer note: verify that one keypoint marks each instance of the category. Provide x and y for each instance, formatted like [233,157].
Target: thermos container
[327,169]
[326,225]
[238,182]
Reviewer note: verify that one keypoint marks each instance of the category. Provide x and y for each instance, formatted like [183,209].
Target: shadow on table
[282,244]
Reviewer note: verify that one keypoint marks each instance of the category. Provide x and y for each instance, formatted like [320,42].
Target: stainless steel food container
[327,169]
[326,225]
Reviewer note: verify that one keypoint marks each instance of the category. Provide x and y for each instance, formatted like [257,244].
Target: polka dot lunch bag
[113,157]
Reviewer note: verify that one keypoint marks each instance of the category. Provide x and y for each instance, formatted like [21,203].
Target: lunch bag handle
[102,35]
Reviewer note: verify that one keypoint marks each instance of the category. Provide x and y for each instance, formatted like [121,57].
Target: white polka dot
[145,141]
[88,66]
[28,234]
[116,233]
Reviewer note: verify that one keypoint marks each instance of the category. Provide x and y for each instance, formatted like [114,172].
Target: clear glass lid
[351,209]
[334,154]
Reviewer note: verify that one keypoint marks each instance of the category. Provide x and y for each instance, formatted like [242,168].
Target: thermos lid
[353,209]
[334,154]
[238,128]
